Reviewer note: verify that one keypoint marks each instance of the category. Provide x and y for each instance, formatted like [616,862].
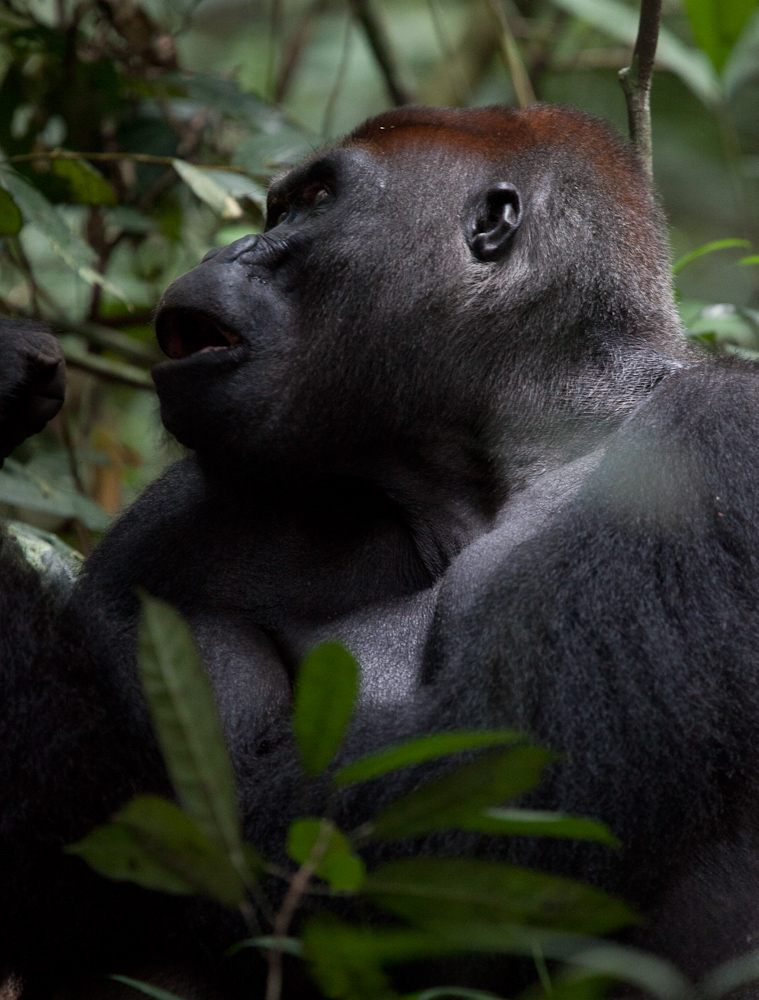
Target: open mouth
[182,333]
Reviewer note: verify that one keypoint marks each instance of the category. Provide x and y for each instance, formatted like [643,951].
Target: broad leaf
[153,843]
[270,942]
[87,185]
[11,219]
[455,993]
[187,723]
[654,975]
[334,860]
[457,798]
[619,21]
[68,245]
[707,248]
[420,750]
[442,895]
[325,693]
[20,488]
[152,991]
[208,190]
[530,823]
[717,25]
[346,961]
[239,186]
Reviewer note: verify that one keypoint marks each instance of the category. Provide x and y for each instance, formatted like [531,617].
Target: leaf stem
[298,887]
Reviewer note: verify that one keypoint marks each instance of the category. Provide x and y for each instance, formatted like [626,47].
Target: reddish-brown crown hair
[495,132]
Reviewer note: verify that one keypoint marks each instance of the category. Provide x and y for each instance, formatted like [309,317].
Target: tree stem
[636,81]
[380,46]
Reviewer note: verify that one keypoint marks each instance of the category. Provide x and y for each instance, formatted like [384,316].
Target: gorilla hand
[32,381]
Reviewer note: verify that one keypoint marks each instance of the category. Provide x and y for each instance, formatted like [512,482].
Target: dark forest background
[135,135]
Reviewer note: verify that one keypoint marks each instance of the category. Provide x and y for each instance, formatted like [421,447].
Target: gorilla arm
[624,634]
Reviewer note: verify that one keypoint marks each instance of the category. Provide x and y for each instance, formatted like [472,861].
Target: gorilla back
[442,410]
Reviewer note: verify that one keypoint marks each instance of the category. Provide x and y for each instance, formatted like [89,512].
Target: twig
[513,58]
[294,51]
[104,368]
[337,86]
[114,340]
[82,531]
[636,81]
[163,161]
[452,65]
[380,46]
[298,886]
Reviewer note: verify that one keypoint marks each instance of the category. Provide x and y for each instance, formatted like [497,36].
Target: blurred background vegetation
[137,134]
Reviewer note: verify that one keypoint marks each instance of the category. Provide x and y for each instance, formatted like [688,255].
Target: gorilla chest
[273,591]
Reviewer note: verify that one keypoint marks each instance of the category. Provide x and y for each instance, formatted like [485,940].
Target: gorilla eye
[316,194]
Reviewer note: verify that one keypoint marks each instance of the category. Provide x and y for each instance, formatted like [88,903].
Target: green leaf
[239,186]
[745,261]
[654,975]
[153,843]
[325,693]
[208,190]
[582,985]
[187,723]
[616,19]
[75,252]
[420,750]
[152,991]
[270,942]
[457,798]
[730,976]
[87,185]
[454,991]
[335,862]
[11,219]
[707,248]
[346,961]
[529,823]
[22,489]
[717,25]
[453,895]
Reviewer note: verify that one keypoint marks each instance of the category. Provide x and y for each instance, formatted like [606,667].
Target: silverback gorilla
[442,410]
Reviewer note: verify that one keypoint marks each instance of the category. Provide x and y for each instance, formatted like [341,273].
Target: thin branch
[298,886]
[294,51]
[513,58]
[105,368]
[451,62]
[339,78]
[163,161]
[636,81]
[380,46]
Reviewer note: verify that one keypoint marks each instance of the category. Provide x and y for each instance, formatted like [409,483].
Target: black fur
[503,481]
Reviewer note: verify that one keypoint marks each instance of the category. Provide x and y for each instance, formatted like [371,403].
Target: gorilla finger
[47,374]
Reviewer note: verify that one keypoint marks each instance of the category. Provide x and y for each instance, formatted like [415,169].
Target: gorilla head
[440,281]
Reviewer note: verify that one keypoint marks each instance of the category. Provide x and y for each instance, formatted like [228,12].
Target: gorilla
[442,410]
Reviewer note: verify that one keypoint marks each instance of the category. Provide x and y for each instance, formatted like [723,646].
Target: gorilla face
[304,337]
[386,298]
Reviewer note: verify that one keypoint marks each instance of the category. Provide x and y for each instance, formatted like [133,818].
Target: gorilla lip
[184,333]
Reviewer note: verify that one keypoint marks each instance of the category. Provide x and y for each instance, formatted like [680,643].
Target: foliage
[440,906]
[446,905]
[136,134]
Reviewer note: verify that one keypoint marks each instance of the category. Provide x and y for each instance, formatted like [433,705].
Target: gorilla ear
[491,220]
